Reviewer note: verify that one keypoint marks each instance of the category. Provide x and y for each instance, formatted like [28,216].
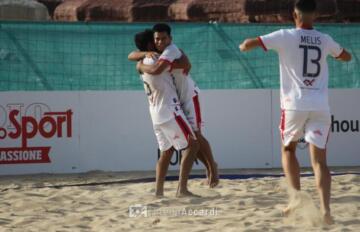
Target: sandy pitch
[235,205]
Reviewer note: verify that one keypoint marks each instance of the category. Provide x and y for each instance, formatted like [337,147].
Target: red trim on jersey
[197,111]
[168,62]
[262,44]
[343,50]
[165,60]
[282,124]
[183,126]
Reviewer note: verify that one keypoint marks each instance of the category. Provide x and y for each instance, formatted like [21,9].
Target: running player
[170,125]
[187,91]
[304,94]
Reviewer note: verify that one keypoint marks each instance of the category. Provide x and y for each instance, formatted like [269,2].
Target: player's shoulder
[172,47]
[319,33]
[324,36]
[149,61]
[327,36]
[289,31]
[285,32]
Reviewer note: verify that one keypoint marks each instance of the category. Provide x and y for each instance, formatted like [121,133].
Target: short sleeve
[272,41]
[333,47]
[170,53]
[149,61]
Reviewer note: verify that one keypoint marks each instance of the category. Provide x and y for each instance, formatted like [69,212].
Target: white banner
[117,134]
[39,132]
[64,132]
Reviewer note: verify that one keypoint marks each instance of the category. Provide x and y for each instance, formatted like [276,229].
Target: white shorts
[313,125]
[174,133]
[192,112]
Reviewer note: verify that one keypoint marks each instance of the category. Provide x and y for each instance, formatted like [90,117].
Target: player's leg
[291,129]
[188,158]
[162,167]
[193,114]
[317,131]
[180,135]
[200,156]
[291,169]
[166,151]
[206,152]
[323,180]
[290,165]
[190,148]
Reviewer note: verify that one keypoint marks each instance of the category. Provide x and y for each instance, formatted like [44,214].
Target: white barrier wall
[239,132]
[116,132]
[64,132]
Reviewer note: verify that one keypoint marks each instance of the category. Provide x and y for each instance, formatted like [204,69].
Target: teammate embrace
[174,106]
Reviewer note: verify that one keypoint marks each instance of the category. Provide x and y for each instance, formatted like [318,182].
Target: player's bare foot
[214,182]
[328,219]
[214,177]
[207,180]
[159,194]
[287,211]
[186,193]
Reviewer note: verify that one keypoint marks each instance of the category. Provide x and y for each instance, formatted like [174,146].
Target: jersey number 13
[313,60]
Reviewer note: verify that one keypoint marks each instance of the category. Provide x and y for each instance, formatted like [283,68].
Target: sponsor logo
[176,137]
[308,82]
[318,132]
[344,125]
[23,124]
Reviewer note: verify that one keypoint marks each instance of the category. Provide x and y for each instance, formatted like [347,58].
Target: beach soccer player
[188,93]
[304,94]
[169,122]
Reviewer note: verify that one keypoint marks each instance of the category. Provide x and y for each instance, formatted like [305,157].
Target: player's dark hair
[142,39]
[306,6]
[162,27]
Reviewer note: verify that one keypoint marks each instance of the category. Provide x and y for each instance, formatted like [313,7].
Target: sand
[29,203]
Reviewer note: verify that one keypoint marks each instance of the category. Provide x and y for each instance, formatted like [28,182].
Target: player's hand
[152,55]
[242,47]
[138,66]
[187,69]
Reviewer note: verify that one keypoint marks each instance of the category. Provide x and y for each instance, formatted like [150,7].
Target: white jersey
[303,67]
[162,96]
[185,86]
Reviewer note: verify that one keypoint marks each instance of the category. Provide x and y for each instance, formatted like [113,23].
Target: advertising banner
[39,132]
[69,132]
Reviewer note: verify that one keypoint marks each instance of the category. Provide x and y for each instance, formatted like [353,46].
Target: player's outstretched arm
[250,44]
[344,56]
[136,55]
[155,69]
[139,55]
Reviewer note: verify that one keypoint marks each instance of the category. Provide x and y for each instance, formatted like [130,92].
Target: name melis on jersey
[311,40]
